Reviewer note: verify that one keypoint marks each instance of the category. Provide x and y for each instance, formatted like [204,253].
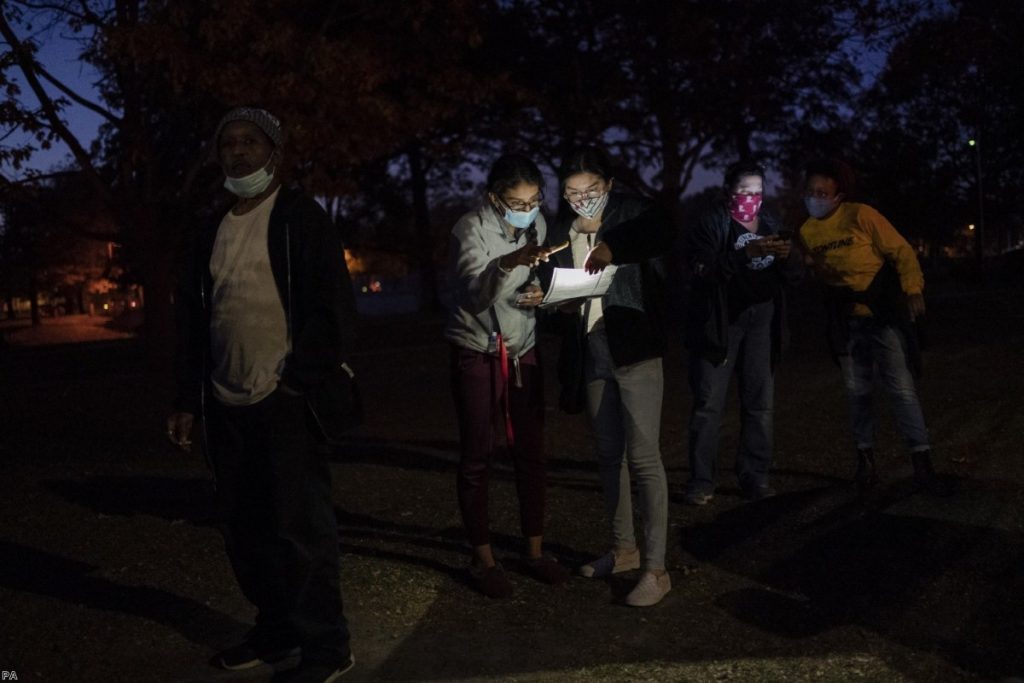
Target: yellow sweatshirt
[849,246]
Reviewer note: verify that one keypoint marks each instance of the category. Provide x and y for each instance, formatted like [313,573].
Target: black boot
[866,477]
[925,478]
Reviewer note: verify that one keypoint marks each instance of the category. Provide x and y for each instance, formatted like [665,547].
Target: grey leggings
[624,406]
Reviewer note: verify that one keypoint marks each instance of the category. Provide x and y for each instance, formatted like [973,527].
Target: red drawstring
[503,359]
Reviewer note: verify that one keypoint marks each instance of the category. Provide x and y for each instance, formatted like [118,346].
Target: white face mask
[588,208]
[249,186]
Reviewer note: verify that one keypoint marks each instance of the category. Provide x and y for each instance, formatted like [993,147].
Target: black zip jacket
[713,261]
[315,290]
[637,232]
[888,304]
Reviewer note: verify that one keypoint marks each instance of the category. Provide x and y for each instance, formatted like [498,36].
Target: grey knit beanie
[266,121]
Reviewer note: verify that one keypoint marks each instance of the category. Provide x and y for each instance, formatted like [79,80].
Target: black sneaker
[315,672]
[248,655]
[866,476]
[546,570]
[491,581]
[925,478]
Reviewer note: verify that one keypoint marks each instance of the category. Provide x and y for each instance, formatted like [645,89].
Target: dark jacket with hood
[637,232]
[308,264]
[714,261]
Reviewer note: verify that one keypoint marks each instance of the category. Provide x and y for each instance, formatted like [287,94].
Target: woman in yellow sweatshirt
[876,290]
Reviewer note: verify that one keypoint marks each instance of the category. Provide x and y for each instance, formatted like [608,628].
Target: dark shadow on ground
[821,564]
[30,570]
[904,567]
[167,498]
[432,455]
[418,545]
[435,456]
[894,563]
[192,500]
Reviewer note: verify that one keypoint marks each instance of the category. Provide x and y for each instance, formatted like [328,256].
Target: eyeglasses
[573,196]
[518,205]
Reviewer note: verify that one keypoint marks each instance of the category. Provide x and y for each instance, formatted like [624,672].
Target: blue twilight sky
[58,52]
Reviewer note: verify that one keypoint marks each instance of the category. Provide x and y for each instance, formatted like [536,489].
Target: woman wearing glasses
[494,368]
[611,360]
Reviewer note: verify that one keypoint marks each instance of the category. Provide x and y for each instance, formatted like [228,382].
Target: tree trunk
[158,330]
[33,299]
[743,149]
[671,164]
[154,252]
[429,299]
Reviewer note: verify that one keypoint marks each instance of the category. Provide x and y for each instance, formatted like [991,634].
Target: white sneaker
[649,590]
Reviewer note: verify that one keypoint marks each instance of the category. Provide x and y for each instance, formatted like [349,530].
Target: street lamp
[979,233]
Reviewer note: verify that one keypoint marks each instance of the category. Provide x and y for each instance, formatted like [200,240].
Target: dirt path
[66,329]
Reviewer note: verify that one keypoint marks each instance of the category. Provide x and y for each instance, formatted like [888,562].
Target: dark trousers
[749,357]
[480,404]
[274,496]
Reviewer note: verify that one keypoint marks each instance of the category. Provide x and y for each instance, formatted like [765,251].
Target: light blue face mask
[819,207]
[249,186]
[521,219]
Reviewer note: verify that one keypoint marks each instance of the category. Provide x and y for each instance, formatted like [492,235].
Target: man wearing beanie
[265,313]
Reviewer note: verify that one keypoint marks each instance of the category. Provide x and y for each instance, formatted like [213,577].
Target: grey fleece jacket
[478,240]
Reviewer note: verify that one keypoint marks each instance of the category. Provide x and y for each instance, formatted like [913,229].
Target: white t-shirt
[248,329]
[581,243]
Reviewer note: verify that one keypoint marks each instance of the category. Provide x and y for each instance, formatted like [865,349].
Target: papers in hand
[576,283]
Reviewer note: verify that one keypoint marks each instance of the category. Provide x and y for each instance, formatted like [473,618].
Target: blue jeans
[883,347]
[624,406]
[749,353]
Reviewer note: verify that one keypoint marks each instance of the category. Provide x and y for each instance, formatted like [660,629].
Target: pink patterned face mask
[744,207]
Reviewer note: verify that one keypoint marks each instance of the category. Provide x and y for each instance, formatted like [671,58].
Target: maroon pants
[480,402]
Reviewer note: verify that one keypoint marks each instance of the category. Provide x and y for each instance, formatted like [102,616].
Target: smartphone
[558,247]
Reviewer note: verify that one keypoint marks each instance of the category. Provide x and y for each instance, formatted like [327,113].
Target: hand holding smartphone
[558,247]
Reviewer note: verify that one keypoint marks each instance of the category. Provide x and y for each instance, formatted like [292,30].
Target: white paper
[576,283]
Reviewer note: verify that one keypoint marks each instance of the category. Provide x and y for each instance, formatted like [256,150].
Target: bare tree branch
[9,133]
[628,175]
[87,11]
[27,180]
[105,113]
[28,68]
[62,9]
[695,154]
[201,160]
